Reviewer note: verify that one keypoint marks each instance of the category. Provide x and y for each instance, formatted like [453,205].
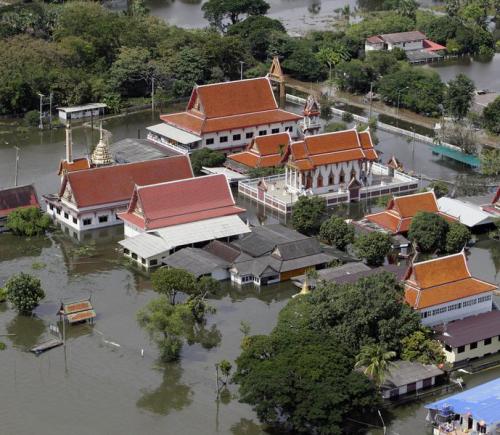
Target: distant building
[470,338]
[80,112]
[92,198]
[13,198]
[397,217]
[407,377]
[442,290]
[416,45]
[466,213]
[165,217]
[225,117]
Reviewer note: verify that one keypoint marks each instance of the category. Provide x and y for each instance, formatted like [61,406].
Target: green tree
[428,231]
[335,126]
[420,347]
[336,232]
[490,162]
[219,12]
[491,116]
[206,157]
[373,247]
[28,221]
[317,368]
[169,325]
[408,8]
[375,360]
[308,213]
[169,282]
[24,292]
[130,73]
[354,76]
[440,188]
[459,96]
[457,237]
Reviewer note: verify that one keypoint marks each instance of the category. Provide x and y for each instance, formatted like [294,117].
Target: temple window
[236,136]
[275,130]
[320,181]
[223,139]
[249,135]
[342,176]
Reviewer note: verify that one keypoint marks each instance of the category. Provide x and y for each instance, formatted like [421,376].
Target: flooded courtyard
[108,379]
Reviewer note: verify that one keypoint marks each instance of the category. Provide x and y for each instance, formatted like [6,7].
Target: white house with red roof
[92,198]
[443,290]
[225,117]
[165,217]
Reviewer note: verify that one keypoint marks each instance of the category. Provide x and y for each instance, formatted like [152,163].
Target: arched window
[320,180]
[342,176]
[331,179]
[309,180]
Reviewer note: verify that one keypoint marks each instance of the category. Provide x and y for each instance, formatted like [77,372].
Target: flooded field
[100,383]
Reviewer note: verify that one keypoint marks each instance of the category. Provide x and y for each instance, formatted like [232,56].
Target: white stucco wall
[77,219]
[482,349]
[431,316]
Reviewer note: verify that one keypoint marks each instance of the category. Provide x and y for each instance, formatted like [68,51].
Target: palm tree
[375,361]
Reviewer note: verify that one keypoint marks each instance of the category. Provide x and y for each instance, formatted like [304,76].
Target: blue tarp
[467,159]
[483,402]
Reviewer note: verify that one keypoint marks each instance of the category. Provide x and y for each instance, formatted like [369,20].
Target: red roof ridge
[230,82]
[462,253]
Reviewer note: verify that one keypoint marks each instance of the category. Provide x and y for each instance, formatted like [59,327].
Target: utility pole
[153,95]
[241,69]
[40,124]
[17,165]
[51,96]
[371,101]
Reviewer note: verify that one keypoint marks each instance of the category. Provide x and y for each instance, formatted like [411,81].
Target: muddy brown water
[101,383]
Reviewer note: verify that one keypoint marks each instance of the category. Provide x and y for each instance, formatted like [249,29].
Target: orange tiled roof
[229,106]
[264,151]
[442,280]
[401,209]
[76,165]
[328,148]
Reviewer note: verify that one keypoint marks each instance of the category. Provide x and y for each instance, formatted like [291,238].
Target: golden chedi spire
[101,155]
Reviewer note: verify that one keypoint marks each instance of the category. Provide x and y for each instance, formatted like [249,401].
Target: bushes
[24,292]
[29,221]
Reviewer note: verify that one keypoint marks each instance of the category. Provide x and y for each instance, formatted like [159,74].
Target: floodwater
[485,75]
[101,383]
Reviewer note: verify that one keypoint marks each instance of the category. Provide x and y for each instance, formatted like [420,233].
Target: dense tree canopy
[373,247]
[457,237]
[428,231]
[459,96]
[221,13]
[205,157]
[336,232]
[491,116]
[308,213]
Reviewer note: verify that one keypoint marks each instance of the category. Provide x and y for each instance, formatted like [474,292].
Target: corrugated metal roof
[131,150]
[459,156]
[468,214]
[201,231]
[146,245]
[402,373]
[173,133]
[83,107]
[197,261]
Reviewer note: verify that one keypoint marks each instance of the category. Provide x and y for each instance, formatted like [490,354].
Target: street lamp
[241,69]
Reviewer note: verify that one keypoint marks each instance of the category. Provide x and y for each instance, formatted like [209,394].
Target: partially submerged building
[471,338]
[467,213]
[416,45]
[92,198]
[165,217]
[340,166]
[443,289]
[225,117]
[407,377]
[476,410]
[13,198]
[397,217]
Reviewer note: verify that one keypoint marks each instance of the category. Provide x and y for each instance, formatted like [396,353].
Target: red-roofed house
[329,161]
[92,198]
[226,117]
[442,290]
[263,152]
[16,197]
[166,217]
[396,219]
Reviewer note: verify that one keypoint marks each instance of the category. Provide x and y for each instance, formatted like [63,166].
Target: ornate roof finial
[101,155]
